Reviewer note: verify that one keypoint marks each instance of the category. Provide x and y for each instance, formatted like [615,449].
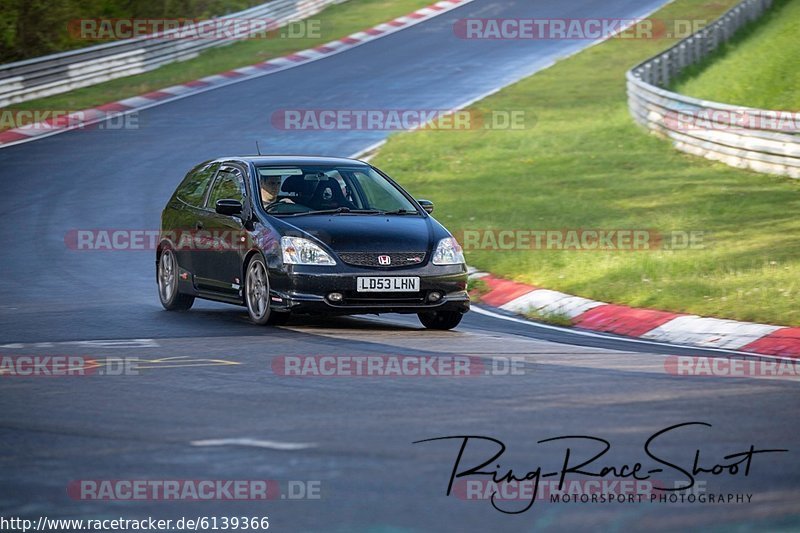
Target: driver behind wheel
[270,187]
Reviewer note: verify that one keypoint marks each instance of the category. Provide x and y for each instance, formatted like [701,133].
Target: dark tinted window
[193,188]
[228,186]
[380,194]
[297,190]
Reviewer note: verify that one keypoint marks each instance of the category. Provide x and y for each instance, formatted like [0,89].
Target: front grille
[370,259]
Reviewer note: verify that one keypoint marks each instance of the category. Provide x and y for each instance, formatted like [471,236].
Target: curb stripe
[784,341]
[551,302]
[157,95]
[12,136]
[503,291]
[709,332]
[113,107]
[176,90]
[658,326]
[623,320]
[135,101]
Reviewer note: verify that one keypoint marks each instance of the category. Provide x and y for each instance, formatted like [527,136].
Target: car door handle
[198,225]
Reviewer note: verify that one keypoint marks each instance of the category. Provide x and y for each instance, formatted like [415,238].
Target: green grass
[477,288]
[759,68]
[335,22]
[556,319]
[585,164]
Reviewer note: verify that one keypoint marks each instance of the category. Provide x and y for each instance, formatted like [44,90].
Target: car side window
[229,185]
[193,187]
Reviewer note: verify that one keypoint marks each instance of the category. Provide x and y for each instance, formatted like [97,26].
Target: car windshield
[301,190]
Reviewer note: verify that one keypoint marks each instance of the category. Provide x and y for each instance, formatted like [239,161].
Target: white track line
[255,443]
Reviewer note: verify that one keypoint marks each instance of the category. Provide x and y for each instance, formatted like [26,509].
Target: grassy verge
[585,164]
[555,319]
[335,22]
[477,288]
[757,69]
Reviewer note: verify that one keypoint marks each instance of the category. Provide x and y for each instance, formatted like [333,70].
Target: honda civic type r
[286,235]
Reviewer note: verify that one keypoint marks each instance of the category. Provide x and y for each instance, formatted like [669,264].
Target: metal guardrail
[58,73]
[761,140]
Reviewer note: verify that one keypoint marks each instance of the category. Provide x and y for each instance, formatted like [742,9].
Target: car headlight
[448,252]
[299,251]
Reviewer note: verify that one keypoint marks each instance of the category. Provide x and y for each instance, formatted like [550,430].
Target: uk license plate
[388,284]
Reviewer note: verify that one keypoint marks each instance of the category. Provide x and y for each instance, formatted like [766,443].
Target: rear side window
[193,188]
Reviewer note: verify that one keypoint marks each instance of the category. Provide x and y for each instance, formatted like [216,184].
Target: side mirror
[228,207]
[427,205]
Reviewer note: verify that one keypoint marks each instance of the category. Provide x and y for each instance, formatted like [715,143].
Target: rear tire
[440,319]
[167,278]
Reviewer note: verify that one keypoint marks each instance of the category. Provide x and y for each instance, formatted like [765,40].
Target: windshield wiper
[336,211]
[400,212]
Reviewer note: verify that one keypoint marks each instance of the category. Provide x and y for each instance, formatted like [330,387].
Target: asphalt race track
[210,374]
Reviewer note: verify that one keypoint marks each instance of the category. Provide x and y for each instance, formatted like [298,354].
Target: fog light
[435,296]
[335,297]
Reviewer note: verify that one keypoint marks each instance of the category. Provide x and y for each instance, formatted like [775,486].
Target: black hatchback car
[286,235]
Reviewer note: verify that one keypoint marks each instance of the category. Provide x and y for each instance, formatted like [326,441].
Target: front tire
[167,277]
[256,294]
[440,319]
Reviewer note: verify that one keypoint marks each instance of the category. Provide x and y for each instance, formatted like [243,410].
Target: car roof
[293,160]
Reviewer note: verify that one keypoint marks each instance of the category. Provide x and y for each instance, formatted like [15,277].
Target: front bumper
[305,290]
